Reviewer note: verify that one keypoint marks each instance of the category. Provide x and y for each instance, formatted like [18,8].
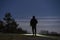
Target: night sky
[47,13]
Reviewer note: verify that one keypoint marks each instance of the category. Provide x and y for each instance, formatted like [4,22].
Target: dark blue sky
[23,8]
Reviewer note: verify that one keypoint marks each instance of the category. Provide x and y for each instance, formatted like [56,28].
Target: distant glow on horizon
[52,24]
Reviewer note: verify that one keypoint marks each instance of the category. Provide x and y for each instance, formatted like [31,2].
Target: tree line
[9,25]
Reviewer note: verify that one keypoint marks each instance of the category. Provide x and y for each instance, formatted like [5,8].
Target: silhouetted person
[33,24]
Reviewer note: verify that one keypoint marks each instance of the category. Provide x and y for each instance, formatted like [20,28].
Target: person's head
[33,17]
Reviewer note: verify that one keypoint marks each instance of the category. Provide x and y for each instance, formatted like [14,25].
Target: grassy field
[25,37]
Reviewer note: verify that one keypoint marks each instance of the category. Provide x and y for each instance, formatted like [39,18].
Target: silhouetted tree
[1,25]
[10,23]
[21,31]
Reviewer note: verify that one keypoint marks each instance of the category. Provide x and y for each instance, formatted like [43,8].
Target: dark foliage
[49,33]
[1,25]
[20,31]
[10,25]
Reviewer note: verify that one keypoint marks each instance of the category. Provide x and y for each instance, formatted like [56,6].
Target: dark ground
[24,37]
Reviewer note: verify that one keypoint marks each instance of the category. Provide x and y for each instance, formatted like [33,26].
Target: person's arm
[36,21]
[30,22]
